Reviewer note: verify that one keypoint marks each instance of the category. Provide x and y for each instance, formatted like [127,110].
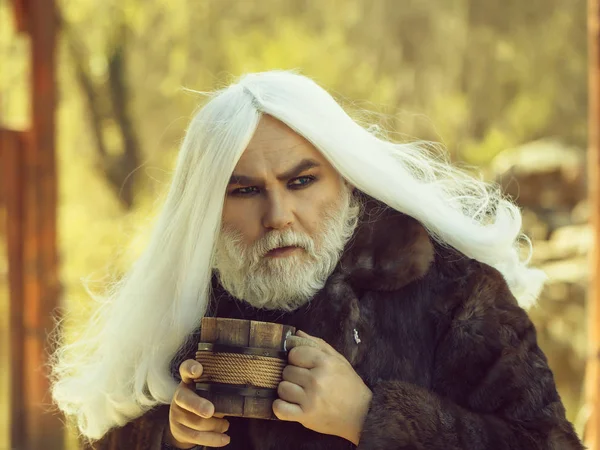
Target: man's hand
[321,390]
[191,420]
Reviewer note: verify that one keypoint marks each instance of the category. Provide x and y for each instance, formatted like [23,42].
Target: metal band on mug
[244,391]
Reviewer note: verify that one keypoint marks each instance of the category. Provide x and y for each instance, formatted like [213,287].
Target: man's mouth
[282,251]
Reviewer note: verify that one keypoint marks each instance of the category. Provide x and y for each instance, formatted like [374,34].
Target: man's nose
[278,214]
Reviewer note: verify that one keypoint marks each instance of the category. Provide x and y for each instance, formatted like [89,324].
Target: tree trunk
[592,383]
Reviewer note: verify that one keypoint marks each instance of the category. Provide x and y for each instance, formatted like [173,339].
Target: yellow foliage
[477,81]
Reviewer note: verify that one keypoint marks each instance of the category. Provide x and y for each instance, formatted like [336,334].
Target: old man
[404,273]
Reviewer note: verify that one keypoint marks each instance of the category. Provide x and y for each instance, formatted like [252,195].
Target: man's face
[287,216]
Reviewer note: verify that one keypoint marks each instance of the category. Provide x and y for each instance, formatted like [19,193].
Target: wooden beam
[29,176]
[12,145]
[44,429]
[592,378]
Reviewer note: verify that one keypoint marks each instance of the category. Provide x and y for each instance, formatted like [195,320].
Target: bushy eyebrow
[302,166]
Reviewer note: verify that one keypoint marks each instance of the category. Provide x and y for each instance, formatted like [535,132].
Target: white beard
[289,282]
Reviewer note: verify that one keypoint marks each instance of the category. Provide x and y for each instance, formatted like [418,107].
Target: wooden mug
[243,361]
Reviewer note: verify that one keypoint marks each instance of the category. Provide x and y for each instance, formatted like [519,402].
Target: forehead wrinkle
[281,156]
[276,157]
[270,149]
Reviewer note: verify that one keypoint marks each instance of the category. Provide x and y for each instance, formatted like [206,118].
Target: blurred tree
[108,105]
[489,75]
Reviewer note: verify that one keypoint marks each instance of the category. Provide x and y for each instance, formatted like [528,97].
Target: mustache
[278,239]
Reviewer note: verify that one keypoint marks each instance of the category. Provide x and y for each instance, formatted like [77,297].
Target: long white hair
[119,367]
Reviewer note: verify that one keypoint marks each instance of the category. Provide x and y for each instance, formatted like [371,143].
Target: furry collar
[388,250]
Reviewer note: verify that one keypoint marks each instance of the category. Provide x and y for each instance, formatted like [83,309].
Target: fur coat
[452,360]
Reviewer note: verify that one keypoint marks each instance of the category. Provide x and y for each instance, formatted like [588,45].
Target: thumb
[190,370]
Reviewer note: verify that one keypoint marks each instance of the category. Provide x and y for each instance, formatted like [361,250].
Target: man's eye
[301,182]
[245,191]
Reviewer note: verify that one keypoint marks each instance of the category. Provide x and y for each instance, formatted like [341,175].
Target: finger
[194,422]
[287,411]
[291,393]
[188,400]
[190,370]
[296,341]
[297,375]
[209,438]
[306,357]
[320,343]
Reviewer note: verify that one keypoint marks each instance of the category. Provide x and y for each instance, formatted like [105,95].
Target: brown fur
[144,433]
[451,358]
